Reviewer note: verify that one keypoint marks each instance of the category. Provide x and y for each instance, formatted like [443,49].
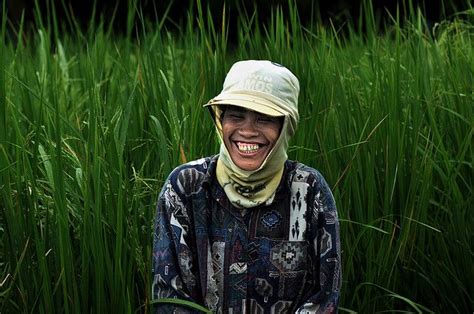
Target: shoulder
[300,174]
[188,178]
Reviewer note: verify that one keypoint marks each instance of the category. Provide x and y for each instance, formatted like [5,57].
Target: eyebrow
[237,108]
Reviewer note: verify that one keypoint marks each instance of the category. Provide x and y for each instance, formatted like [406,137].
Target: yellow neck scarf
[247,189]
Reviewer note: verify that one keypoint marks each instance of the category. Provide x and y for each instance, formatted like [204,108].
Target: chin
[248,167]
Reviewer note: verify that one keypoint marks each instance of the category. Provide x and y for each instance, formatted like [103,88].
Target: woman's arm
[326,245]
[173,276]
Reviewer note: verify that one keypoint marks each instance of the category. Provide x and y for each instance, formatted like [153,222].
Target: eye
[234,115]
[268,120]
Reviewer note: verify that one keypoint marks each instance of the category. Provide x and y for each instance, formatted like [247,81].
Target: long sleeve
[326,242]
[173,273]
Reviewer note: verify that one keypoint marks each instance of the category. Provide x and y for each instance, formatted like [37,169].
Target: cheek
[226,133]
[273,135]
[224,130]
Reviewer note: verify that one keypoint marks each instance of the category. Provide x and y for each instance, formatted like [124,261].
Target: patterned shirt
[279,257]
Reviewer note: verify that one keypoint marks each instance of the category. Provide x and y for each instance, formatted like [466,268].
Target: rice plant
[92,122]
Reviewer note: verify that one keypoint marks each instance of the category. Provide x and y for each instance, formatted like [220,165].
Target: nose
[248,128]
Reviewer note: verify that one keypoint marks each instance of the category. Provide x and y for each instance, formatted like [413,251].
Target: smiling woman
[249,136]
[247,230]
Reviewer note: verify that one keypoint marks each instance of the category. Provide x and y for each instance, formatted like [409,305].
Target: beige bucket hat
[262,86]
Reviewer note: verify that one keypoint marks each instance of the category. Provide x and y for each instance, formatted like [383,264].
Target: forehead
[237,109]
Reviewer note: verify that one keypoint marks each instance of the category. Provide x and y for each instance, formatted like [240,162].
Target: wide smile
[248,148]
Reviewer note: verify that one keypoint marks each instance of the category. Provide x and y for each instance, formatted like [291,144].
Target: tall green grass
[91,123]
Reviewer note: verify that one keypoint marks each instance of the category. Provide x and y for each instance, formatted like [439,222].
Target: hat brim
[251,102]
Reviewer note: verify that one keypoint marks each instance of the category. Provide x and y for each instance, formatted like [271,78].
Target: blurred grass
[91,124]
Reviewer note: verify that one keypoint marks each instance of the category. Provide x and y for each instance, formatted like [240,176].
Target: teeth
[248,148]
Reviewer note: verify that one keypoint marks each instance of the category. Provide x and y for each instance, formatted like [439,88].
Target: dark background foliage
[335,12]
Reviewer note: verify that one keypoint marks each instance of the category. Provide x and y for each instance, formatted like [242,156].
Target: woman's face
[249,136]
